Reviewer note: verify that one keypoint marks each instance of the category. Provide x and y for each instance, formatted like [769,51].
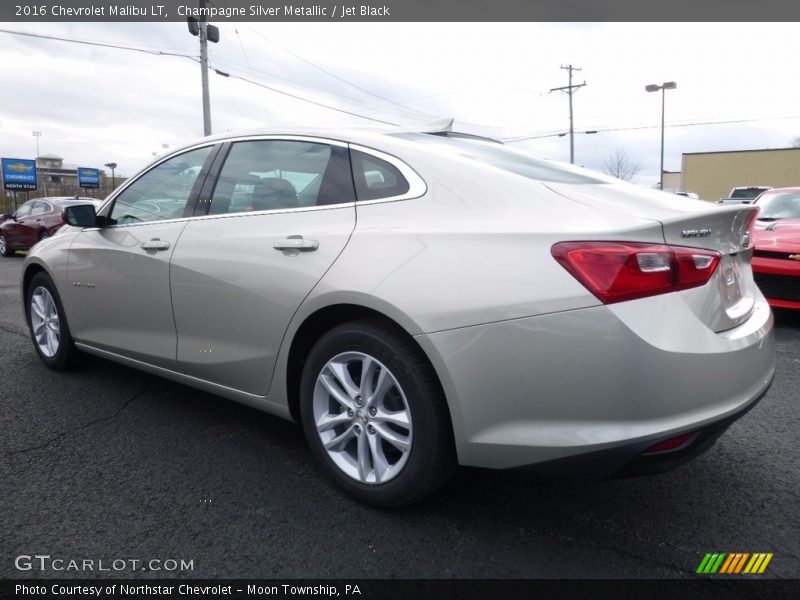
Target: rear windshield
[747,192]
[503,157]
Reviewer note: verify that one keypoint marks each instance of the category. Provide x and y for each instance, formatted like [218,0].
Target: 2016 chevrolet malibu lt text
[418,301]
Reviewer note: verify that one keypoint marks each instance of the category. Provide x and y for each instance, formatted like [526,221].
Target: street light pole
[112,166]
[663,105]
[667,85]
[37,135]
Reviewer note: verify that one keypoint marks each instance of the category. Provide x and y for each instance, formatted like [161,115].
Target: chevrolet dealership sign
[19,174]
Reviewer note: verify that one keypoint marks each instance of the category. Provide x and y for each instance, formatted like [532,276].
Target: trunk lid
[729,297]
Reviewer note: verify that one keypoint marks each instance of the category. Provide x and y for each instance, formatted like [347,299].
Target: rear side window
[375,178]
[40,208]
[280,175]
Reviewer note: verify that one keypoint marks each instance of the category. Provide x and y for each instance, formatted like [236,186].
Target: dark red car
[776,239]
[36,220]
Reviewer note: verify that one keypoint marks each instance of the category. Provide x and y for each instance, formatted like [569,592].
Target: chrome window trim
[129,182]
[416,185]
[243,138]
[253,213]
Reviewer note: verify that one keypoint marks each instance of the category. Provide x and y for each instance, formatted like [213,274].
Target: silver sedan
[418,301]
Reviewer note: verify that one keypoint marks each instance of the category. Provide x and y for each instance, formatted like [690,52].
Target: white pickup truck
[744,194]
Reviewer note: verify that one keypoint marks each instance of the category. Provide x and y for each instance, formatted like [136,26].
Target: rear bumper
[631,460]
[606,382]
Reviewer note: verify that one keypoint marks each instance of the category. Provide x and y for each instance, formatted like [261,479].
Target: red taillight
[618,271]
[670,444]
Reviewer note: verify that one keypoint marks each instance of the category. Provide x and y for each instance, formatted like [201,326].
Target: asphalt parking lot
[107,462]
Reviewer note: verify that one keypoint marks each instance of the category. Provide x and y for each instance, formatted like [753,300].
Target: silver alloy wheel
[45,322]
[362,417]
[2,244]
[43,236]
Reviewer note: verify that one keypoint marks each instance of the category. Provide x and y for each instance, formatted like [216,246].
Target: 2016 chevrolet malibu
[418,301]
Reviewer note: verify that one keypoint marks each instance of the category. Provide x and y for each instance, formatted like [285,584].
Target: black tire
[4,249]
[67,355]
[431,459]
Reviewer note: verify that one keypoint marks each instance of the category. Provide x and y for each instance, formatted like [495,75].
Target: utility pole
[206,33]
[569,90]
[204,72]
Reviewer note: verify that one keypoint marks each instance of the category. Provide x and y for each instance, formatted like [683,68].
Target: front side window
[280,175]
[163,192]
[24,210]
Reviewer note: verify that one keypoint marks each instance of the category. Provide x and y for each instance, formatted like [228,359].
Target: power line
[343,80]
[308,100]
[247,60]
[606,129]
[101,44]
[195,59]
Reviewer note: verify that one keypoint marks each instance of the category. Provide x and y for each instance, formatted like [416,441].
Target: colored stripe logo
[734,563]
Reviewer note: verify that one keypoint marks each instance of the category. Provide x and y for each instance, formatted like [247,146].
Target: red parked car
[36,220]
[776,242]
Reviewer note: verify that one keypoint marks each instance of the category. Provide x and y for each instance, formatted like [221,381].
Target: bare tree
[621,166]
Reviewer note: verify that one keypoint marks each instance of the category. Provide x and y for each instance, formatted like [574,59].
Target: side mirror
[81,215]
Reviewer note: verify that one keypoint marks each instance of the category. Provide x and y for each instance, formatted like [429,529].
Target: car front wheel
[4,249]
[48,324]
[375,416]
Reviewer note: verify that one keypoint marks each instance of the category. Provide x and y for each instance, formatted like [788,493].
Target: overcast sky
[94,105]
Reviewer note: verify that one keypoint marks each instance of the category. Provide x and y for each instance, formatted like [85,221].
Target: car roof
[63,198]
[375,135]
[795,190]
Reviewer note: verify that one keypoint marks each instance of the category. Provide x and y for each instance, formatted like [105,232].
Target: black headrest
[274,192]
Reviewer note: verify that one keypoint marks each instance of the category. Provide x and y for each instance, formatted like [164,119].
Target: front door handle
[296,242]
[155,244]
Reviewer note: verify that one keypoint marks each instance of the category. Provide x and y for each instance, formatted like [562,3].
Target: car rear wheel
[4,249]
[375,416]
[43,235]
[48,324]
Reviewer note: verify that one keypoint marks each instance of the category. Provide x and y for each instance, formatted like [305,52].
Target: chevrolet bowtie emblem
[794,257]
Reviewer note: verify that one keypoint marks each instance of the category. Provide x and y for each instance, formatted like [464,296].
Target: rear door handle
[155,244]
[296,242]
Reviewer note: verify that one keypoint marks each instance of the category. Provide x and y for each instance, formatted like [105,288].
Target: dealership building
[711,175]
